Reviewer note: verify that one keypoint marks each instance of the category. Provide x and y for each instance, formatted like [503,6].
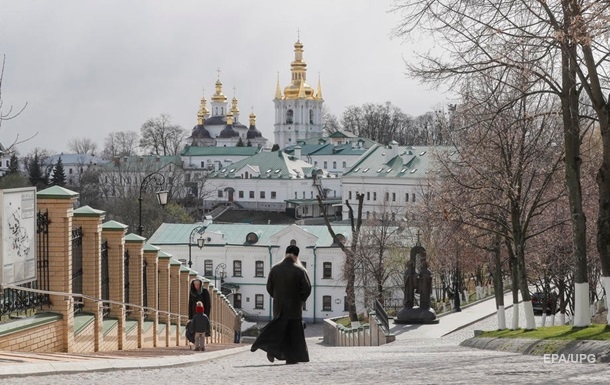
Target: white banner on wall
[17,236]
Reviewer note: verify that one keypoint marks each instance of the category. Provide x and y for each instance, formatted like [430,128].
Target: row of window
[388,195]
[259,269]
[325,165]
[273,194]
[251,194]
[259,302]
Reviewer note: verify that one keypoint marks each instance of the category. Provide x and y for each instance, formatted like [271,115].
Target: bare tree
[500,180]
[378,239]
[330,123]
[349,270]
[121,143]
[160,137]
[568,50]
[82,146]
[10,112]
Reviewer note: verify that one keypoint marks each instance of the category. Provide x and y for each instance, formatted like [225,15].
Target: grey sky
[88,68]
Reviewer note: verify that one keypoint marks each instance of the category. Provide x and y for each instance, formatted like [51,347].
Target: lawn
[598,332]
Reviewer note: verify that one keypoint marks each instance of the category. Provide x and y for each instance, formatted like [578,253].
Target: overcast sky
[88,68]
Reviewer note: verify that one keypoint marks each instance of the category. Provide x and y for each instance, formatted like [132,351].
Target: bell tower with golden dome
[298,110]
[219,100]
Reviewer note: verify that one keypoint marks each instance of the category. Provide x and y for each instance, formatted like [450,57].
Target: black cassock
[284,337]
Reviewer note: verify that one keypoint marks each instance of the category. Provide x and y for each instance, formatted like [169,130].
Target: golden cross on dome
[218,70]
[298,34]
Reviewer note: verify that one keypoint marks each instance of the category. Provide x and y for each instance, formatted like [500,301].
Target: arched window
[289,116]
[310,116]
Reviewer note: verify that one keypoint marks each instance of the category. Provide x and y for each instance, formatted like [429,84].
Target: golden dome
[218,95]
[203,111]
[298,88]
[234,108]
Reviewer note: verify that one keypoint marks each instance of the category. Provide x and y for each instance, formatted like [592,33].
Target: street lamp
[457,284]
[161,194]
[222,268]
[200,241]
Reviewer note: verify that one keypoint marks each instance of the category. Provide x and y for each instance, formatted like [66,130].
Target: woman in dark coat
[283,338]
[198,293]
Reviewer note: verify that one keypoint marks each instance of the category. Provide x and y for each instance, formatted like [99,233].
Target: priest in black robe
[288,284]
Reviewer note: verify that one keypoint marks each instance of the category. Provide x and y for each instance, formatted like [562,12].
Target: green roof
[131,237]
[56,192]
[394,162]
[272,165]
[235,234]
[326,149]
[87,211]
[177,232]
[220,151]
[114,225]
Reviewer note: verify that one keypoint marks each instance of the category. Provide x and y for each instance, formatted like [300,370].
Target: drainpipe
[270,299]
[315,258]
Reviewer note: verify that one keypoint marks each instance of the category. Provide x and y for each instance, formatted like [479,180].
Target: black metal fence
[77,265]
[126,276]
[105,282]
[144,289]
[17,303]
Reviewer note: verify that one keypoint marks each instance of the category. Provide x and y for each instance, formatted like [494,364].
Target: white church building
[238,258]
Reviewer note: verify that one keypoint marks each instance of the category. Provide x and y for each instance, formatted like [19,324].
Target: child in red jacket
[200,325]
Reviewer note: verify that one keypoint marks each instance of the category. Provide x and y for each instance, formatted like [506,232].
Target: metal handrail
[382,315]
[83,296]
[172,316]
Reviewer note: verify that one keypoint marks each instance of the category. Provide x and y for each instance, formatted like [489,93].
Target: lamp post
[200,241]
[221,267]
[161,194]
[457,284]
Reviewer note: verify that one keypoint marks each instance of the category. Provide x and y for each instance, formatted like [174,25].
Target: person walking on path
[237,326]
[199,294]
[200,325]
[288,284]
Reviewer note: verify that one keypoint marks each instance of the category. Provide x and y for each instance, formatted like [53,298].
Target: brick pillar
[134,244]
[186,275]
[91,221]
[214,313]
[152,286]
[114,233]
[164,289]
[59,202]
[174,299]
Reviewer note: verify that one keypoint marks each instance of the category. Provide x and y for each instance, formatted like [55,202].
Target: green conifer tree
[13,165]
[35,174]
[59,175]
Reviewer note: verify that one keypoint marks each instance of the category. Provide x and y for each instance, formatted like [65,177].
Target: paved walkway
[451,321]
[419,355]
